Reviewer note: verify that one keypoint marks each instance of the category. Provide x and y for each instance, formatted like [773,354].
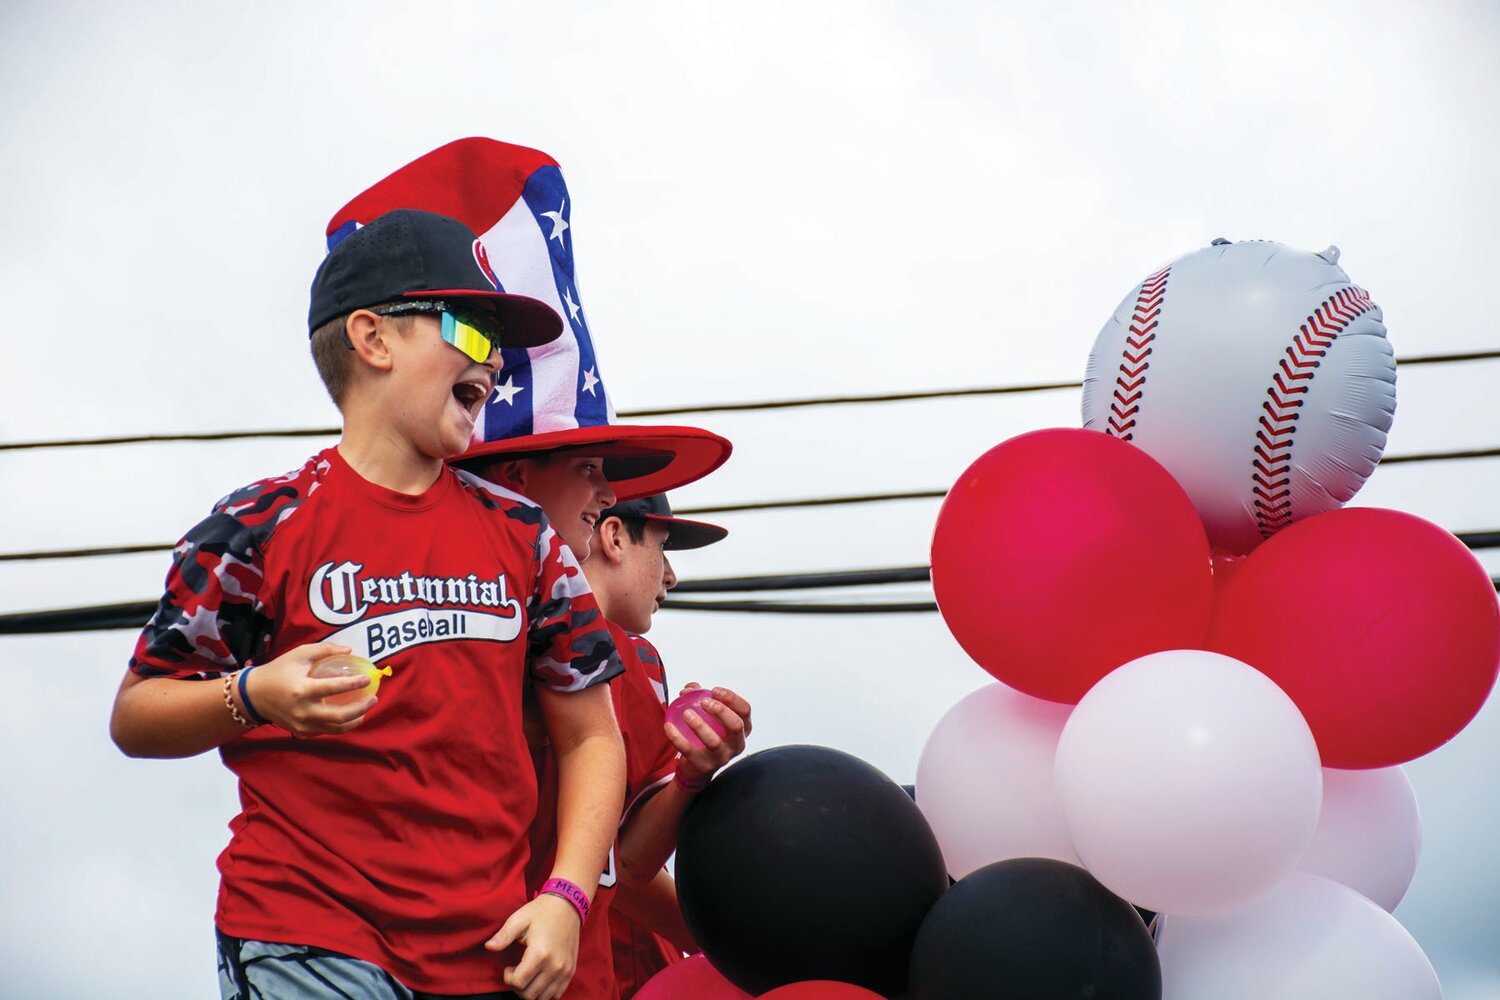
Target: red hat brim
[639,459]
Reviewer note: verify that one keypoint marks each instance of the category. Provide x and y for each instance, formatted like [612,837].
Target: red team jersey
[404,841]
[650,762]
[639,953]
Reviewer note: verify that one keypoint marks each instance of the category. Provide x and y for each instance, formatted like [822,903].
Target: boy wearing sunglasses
[382,843]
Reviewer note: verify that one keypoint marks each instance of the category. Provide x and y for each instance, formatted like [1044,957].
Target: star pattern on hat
[573,307]
[559,224]
[507,391]
[590,380]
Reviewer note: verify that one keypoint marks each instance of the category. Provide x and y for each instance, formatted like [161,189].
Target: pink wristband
[689,786]
[567,890]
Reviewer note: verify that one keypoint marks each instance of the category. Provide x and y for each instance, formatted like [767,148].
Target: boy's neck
[381,457]
[596,572]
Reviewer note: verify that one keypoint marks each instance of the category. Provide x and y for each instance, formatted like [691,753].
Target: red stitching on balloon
[1278,424]
[1144,319]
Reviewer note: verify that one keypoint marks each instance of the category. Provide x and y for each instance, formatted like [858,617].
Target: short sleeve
[568,640]
[211,619]
[640,707]
[651,664]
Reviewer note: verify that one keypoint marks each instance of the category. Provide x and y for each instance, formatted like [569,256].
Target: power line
[789,608]
[116,550]
[885,397]
[113,550]
[96,618]
[775,404]
[814,502]
[1001,390]
[809,581]
[1433,456]
[1441,456]
[134,614]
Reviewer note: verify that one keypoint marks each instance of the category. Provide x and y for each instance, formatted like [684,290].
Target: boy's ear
[367,335]
[511,474]
[609,540]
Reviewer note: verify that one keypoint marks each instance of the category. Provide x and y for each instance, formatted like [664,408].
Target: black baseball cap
[410,254]
[682,533]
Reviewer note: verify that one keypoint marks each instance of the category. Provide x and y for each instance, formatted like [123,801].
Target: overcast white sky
[770,201]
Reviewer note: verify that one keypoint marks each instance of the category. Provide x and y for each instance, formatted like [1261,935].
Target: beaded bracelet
[234,713]
[567,890]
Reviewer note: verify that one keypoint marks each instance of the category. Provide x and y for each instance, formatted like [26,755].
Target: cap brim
[685,534]
[639,460]
[523,320]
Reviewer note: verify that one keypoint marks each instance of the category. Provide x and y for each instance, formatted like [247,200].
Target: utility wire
[114,550]
[789,608]
[775,404]
[809,581]
[134,614]
[814,502]
[96,618]
[118,550]
[1440,456]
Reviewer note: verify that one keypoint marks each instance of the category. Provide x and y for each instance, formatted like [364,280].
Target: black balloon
[1033,929]
[804,863]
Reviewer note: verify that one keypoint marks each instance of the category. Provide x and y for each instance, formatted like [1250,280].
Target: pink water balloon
[693,700]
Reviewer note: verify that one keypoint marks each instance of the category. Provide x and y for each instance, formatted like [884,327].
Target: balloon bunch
[802,864]
[1192,636]
[806,874]
[1208,670]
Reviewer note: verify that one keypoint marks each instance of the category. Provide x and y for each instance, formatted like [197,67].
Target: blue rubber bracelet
[256,717]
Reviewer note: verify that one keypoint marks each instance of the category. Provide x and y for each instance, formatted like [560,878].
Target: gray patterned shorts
[262,970]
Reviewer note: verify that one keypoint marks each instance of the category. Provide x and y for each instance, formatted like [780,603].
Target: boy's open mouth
[470,395]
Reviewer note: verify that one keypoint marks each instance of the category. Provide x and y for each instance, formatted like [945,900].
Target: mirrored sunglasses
[460,331]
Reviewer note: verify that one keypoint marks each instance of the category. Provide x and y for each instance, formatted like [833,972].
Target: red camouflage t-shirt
[650,762]
[402,842]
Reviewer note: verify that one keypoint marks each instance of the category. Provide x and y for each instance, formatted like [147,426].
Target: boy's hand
[699,763]
[548,927]
[283,693]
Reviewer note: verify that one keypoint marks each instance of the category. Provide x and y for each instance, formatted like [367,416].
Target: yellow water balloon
[350,666]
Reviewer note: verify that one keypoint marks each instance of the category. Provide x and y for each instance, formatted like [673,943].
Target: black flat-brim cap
[410,254]
[681,532]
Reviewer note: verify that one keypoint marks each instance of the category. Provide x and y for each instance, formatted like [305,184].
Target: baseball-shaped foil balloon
[1259,375]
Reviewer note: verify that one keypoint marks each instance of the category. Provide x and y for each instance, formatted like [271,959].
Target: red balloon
[690,979]
[1061,554]
[820,989]
[1224,568]
[1382,627]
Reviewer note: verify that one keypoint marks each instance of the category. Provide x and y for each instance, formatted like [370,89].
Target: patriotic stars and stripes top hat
[550,396]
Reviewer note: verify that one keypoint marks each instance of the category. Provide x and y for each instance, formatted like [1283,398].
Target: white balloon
[1309,938]
[1258,375]
[1369,833]
[984,780]
[1189,782]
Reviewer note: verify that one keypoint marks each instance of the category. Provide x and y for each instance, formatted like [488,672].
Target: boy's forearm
[168,717]
[590,781]
[163,717]
[650,835]
[590,788]
[654,906]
